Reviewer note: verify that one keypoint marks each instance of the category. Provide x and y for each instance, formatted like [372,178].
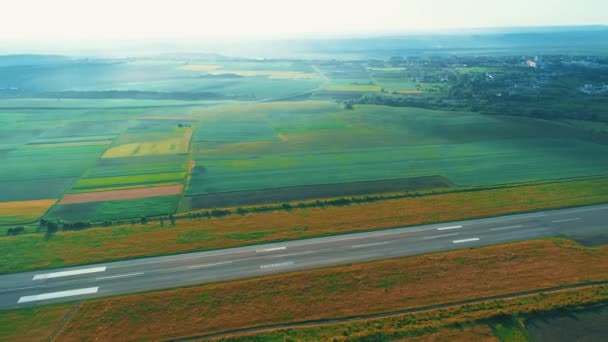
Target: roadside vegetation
[361,290]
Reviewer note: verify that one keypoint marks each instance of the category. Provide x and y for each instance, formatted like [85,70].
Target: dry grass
[338,292]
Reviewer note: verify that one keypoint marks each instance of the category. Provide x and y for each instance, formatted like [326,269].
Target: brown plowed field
[100,196]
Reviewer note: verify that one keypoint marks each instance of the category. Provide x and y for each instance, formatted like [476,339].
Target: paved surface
[75,283]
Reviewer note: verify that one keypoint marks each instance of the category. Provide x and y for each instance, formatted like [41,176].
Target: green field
[334,145]
[86,184]
[114,210]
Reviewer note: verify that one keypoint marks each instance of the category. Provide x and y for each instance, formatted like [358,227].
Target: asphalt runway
[587,224]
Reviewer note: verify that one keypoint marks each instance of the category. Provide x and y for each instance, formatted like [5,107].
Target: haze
[113,19]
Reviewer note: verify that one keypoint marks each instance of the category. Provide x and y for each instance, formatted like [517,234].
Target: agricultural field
[90,152]
[97,135]
[286,144]
[129,180]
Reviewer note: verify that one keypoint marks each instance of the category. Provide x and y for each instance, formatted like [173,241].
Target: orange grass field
[341,291]
[478,333]
[75,247]
[24,211]
[456,323]
[32,324]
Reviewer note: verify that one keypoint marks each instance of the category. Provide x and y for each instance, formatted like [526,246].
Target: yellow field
[172,145]
[23,211]
[354,87]
[410,92]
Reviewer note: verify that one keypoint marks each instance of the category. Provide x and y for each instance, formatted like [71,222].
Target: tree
[162,221]
[15,231]
[144,220]
[52,226]
[172,219]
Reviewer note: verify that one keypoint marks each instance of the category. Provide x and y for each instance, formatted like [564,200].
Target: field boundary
[348,319]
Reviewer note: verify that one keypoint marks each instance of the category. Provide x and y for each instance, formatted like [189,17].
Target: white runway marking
[69,273]
[120,276]
[292,254]
[507,228]
[211,265]
[370,244]
[271,249]
[449,228]
[61,294]
[439,236]
[283,264]
[466,240]
[567,220]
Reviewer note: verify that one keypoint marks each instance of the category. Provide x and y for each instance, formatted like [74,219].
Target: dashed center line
[567,220]
[211,265]
[61,294]
[370,244]
[439,236]
[21,288]
[292,254]
[507,228]
[274,249]
[466,240]
[449,228]
[282,264]
[120,276]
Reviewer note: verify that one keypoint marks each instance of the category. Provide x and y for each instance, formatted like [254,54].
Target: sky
[60,20]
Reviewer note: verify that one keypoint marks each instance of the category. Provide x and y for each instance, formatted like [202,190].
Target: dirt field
[100,196]
[340,292]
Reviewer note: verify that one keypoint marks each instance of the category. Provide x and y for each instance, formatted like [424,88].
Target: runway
[156,273]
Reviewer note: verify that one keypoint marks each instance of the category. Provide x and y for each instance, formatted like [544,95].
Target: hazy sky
[127,19]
